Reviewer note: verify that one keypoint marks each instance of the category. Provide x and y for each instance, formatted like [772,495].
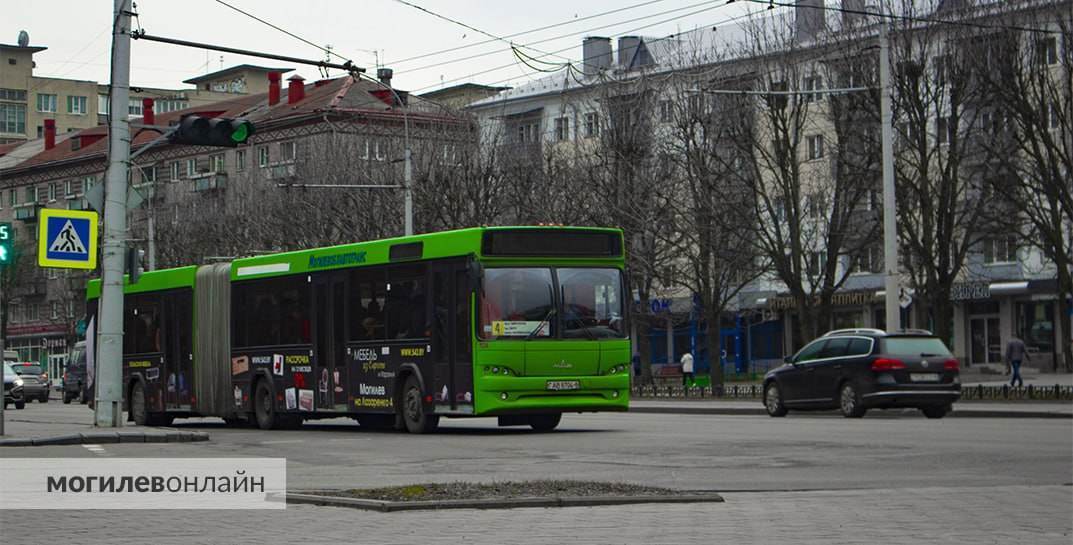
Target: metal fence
[979,392]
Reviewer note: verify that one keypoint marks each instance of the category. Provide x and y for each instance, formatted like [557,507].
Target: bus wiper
[541,326]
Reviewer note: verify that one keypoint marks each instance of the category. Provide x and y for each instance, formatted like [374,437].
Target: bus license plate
[924,377]
[564,385]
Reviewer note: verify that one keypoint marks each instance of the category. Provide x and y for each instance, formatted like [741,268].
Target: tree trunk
[1065,289]
[715,346]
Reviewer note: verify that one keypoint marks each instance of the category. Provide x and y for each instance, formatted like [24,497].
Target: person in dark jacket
[1016,352]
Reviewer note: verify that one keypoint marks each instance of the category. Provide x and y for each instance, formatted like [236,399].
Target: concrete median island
[503,495]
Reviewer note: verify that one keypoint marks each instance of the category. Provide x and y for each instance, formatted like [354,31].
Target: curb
[104,437]
[495,503]
[956,413]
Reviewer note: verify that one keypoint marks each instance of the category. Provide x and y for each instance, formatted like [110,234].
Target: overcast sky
[77,35]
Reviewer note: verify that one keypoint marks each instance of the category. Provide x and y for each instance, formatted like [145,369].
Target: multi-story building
[198,204]
[1003,287]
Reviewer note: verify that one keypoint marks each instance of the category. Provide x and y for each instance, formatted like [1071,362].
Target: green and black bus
[521,323]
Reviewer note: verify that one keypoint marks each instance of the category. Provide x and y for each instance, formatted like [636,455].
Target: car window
[859,347]
[914,346]
[834,348]
[810,352]
[28,369]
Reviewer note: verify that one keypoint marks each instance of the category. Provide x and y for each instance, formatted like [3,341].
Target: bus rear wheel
[545,422]
[413,411]
[139,411]
[264,406]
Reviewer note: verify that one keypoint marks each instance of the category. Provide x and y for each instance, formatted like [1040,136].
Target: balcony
[26,212]
[29,288]
[279,171]
[209,181]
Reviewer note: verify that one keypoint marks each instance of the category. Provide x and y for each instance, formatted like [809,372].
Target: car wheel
[938,411]
[44,398]
[849,400]
[773,401]
[413,411]
[545,422]
[66,399]
[137,405]
[20,405]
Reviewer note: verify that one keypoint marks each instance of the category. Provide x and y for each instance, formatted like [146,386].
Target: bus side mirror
[476,273]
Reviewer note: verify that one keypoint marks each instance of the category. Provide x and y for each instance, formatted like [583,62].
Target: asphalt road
[807,478]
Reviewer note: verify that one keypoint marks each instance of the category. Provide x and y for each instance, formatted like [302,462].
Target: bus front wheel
[413,411]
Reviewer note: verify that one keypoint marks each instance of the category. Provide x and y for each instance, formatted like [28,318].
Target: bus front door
[329,348]
[451,339]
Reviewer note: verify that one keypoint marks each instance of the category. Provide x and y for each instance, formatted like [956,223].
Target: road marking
[97,449]
[282,442]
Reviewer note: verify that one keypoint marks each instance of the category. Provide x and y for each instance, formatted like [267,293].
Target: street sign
[67,239]
[905,298]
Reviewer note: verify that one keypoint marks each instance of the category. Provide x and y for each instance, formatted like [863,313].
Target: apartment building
[1003,288]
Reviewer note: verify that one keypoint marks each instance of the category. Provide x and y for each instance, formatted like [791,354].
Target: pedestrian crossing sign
[67,239]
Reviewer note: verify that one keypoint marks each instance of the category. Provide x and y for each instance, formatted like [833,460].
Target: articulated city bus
[521,323]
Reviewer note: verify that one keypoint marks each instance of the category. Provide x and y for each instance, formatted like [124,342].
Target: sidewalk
[710,406]
[24,428]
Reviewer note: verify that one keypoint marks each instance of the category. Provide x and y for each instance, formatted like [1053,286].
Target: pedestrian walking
[1016,352]
[637,368]
[687,369]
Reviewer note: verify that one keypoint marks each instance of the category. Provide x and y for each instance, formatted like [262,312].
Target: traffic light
[7,238]
[223,132]
[135,257]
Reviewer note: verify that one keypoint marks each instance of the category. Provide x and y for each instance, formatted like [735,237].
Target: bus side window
[368,304]
[294,315]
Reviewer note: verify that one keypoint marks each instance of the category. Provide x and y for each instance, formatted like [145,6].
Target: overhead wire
[524,32]
[467,26]
[570,34]
[468,76]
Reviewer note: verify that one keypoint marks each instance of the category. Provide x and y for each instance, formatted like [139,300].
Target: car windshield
[914,346]
[28,369]
[8,371]
[520,303]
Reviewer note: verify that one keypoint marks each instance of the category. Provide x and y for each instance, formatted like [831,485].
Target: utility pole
[108,401]
[890,233]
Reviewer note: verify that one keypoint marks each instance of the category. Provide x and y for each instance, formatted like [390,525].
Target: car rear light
[951,365]
[887,364]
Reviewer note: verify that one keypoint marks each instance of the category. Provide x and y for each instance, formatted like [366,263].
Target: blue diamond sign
[67,239]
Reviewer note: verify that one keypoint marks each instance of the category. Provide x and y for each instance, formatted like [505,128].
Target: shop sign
[967,291]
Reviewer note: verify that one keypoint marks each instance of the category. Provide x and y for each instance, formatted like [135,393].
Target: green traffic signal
[5,252]
[194,130]
[240,131]
[7,236]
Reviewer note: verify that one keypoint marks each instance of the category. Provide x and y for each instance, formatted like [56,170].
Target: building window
[1050,116]
[31,195]
[103,107]
[562,129]
[592,125]
[378,151]
[148,174]
[868,260]
[46,103]
[1047,51]
[944,130]
[53,188]
[943,65]
[286,152]
[76,105]
[134,107]
[12,118]
[812,84]
[1000,249]
[55,314]
[815,147]
[14,95]
[12,198]
[240,160]
[666,111]
[191,167]
[816,263]
[217,163]
[262,156]
[175,170]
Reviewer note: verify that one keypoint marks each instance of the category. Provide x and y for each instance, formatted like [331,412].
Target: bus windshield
[578,303]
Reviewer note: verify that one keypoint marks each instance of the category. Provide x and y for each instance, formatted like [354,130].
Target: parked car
[12,388]
[74,378]
[859,369]
[34,381]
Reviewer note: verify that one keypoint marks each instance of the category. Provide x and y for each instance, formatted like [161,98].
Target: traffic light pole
[108,400]
[890,233]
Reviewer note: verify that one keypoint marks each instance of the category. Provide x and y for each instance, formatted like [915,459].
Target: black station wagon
[859,369]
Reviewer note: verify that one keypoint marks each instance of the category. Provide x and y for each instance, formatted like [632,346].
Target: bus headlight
[495,370]
[503,396]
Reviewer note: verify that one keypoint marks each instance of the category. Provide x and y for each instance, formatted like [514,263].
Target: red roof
[344,95]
